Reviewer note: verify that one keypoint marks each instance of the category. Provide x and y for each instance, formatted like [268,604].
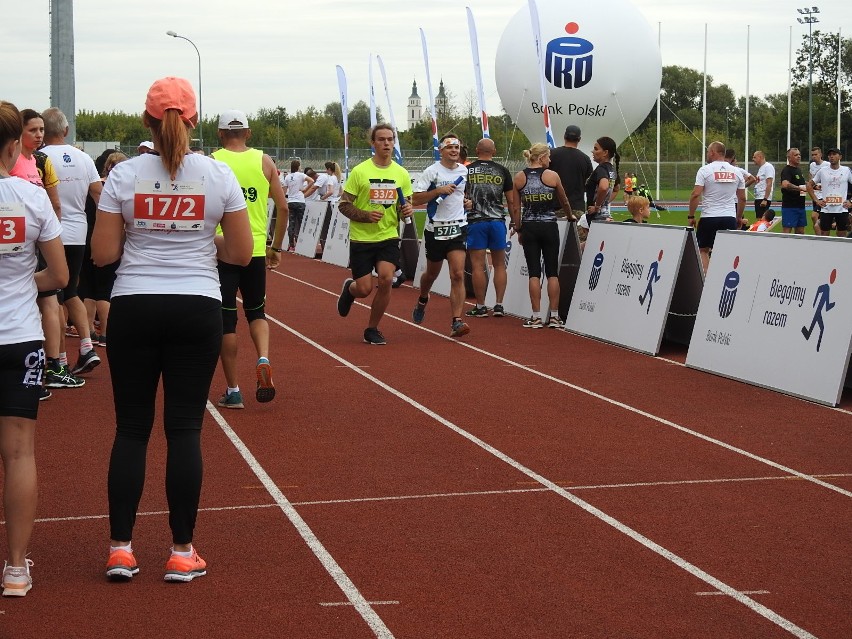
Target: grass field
[675,216]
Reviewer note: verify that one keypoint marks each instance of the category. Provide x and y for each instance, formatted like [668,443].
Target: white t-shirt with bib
[721,182]
[834,187]
[76,172]
[26,217]
[451,208]
[162,260]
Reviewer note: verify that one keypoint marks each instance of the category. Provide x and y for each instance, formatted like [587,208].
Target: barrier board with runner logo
[311,231]
[777,312]
[630,276]
[337,240]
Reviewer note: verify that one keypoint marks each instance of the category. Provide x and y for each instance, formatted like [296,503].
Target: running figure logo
[821,296]
[729,291]
[568,61]
[595,275]
[652,279]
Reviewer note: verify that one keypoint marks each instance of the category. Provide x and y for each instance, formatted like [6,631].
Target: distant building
[442,102]
[415,107]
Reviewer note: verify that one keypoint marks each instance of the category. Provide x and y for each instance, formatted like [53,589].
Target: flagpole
[536,29]
[435,152]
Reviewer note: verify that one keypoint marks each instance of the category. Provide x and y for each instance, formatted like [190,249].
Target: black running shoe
[344,302]
[374,336]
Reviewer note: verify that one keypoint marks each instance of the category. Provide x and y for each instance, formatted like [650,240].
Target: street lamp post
[200,112]
[809,19]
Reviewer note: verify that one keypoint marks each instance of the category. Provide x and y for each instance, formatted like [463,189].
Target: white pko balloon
[602,69]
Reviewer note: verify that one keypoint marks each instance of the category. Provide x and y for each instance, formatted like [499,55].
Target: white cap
[233,120]
[147,144]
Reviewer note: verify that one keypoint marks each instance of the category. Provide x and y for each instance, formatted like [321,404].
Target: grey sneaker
[555,322]
[87,362]
[498,311]
[533,322]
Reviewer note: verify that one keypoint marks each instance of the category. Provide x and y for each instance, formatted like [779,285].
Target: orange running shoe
[185,568]
[17,581]
[121,565]
[265,390]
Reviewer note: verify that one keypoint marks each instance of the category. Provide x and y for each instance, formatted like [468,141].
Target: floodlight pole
[200,112]
[809,19]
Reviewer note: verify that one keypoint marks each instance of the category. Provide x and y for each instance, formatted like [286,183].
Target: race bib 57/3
[168,206]
[13,227]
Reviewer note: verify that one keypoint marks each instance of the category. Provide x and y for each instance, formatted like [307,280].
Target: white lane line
[605,399]
[468,493]
[328,562]
[745,592]
[680,562]
[349,603]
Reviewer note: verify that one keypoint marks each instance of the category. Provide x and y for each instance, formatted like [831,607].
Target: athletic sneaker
[344,302]
[459,328]
[86,363]
[101,340]
[533,322]
[419,313]
[555,322]
[398,281]
[231,400]
[44,394]
[17,581]
[185,568]
[374,336]
[498,311]
[265,390]
[121,565]
[62,378]
[71,331]
[477,311]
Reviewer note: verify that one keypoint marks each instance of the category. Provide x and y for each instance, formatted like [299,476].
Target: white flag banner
[477,72]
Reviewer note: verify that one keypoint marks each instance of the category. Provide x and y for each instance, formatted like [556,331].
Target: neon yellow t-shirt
[248,167]
[374,189]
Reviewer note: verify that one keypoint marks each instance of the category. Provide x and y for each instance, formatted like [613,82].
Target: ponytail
[171,136]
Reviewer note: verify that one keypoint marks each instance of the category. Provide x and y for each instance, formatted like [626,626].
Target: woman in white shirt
[158,213]
[27,221]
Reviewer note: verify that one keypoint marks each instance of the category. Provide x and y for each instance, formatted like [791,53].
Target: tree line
[681,98]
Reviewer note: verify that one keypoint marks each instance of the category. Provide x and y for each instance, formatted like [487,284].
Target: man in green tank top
[258,176]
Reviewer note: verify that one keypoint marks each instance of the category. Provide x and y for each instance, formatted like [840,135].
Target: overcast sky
[261,54]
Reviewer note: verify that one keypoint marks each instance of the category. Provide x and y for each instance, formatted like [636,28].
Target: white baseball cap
[147,144]
[233,120]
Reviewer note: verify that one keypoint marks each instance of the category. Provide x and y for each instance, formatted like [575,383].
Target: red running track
[515,483]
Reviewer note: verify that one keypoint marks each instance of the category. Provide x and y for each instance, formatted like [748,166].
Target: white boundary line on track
[353,595]
[598,396]
[680,562]
[469,493]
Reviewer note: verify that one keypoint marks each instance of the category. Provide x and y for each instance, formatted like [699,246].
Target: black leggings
[178,338]
[541,240]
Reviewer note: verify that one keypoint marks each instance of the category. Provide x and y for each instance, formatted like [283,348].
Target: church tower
[415,107]
[442,102]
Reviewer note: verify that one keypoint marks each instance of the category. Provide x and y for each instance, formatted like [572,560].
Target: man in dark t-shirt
[487,184]
[793,193]
[574,168]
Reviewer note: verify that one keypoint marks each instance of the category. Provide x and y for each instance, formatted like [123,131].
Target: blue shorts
[487,234]
[793,217]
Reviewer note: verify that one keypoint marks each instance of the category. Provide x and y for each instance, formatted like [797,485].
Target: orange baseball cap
[172,93]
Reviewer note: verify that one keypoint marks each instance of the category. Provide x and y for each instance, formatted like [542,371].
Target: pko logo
[568,61]
[597,265]
[66,158]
